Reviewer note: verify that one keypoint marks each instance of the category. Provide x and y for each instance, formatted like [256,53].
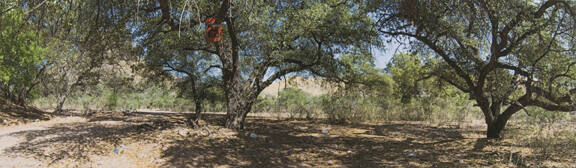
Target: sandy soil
[8,140]
[163,140]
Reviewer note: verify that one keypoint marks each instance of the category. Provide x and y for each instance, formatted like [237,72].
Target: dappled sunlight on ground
[164,140]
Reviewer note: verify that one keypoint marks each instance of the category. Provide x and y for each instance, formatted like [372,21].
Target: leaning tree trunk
[193,119]
[239,104]
[240,94]
[237,110]
[60,104]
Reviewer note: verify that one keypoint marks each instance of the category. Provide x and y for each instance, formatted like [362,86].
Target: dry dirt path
[155,139]
[9,138]
[97,141]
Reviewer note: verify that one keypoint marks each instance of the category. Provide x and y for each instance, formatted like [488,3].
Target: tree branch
[206,49]
[438,51]
[172,68]
[212,66]
[36,7]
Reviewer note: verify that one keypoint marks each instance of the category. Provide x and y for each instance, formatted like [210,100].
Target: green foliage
[292,97]
[102,97]
[542,120]
[111,101]
[21,57]
[540,115]
[264,104]
[424,96]
[374,99]
[295,101]
[507,55]
[350,107]
[407,71]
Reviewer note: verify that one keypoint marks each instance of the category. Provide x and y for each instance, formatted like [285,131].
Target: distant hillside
[311,86]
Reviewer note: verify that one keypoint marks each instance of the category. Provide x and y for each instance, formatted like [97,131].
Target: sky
[383,56]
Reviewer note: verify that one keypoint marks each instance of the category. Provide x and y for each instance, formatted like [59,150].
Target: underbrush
[357,108]
[105,99]
[550,138]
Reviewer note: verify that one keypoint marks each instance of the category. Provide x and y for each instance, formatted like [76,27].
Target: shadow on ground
[302,144]
[77,140]
[12,114]
[278,143]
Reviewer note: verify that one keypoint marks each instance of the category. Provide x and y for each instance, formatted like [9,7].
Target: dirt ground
[163,140]
[11,114]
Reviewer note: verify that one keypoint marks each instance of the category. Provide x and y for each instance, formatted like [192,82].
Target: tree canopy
[20,56]
[263,41]
[506,54]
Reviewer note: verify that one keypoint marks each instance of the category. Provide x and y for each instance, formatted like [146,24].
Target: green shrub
[350,108]
[264,104]
[294,100]
[111,101]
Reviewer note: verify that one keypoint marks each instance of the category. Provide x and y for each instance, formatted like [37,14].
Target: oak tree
[507,55]
[262,40]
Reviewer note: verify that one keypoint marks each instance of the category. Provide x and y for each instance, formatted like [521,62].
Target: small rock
[116,150]
[495,153]
[182,132]
[119,150]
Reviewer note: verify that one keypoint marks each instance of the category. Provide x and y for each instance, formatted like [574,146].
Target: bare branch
[36,7]
[206,49]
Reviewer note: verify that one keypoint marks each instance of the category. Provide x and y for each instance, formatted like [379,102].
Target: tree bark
[193,120]
[60,104]
[238,108]
[198,109]
[235,118]
[494,130]
[497,125]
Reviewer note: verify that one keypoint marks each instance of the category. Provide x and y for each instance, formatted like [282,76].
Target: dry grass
[162,140]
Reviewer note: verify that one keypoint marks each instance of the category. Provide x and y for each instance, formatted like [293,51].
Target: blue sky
[383,56]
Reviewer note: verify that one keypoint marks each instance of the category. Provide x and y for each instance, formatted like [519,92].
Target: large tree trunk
[495,129]
[240,95]
[497,123]
[238,108]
